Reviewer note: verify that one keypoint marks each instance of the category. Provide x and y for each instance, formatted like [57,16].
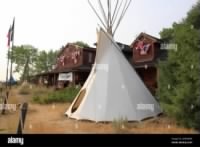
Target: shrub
[64,95]
[179,82]
[24,90]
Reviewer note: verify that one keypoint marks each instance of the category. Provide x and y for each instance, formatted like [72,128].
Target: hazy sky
[49,24]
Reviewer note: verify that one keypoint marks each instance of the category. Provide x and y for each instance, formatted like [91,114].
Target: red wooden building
[74,62]
[72,67]
[146,53]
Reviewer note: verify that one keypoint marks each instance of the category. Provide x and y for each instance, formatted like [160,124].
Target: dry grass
[9,122]
[51,119]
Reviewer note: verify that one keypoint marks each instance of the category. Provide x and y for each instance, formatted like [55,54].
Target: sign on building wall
[65,77]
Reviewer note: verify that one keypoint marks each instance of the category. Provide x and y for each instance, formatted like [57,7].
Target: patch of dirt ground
[50,118]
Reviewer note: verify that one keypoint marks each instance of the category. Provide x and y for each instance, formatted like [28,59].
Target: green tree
[179,80]
[41,62]
[81,44]
[193,16]
[167,34]
[24,57]
[45,61]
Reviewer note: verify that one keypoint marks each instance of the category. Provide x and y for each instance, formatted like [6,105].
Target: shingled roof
[142,34]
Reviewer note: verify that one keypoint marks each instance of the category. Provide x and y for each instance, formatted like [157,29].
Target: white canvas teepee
[113,89]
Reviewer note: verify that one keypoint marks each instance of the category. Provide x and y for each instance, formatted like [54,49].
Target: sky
[50,24]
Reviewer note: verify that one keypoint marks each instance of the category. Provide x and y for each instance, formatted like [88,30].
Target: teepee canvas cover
[113,89]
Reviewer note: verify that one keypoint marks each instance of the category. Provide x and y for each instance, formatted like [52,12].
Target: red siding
[149,77]
[70,57]
[137,57]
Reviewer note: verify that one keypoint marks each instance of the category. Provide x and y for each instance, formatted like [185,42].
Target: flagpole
[8,44]
[7,90]
[11,54]
[7,68]
[11,63]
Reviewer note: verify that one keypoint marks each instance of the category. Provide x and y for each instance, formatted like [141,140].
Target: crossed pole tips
[22,117]
[115,13]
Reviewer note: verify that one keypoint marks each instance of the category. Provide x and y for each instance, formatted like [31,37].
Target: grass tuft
[48,97]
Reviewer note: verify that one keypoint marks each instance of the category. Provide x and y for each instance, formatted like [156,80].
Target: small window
[90,57]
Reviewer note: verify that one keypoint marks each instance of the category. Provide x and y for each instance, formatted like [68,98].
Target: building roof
[76,46]
[142,34]
[124,47]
